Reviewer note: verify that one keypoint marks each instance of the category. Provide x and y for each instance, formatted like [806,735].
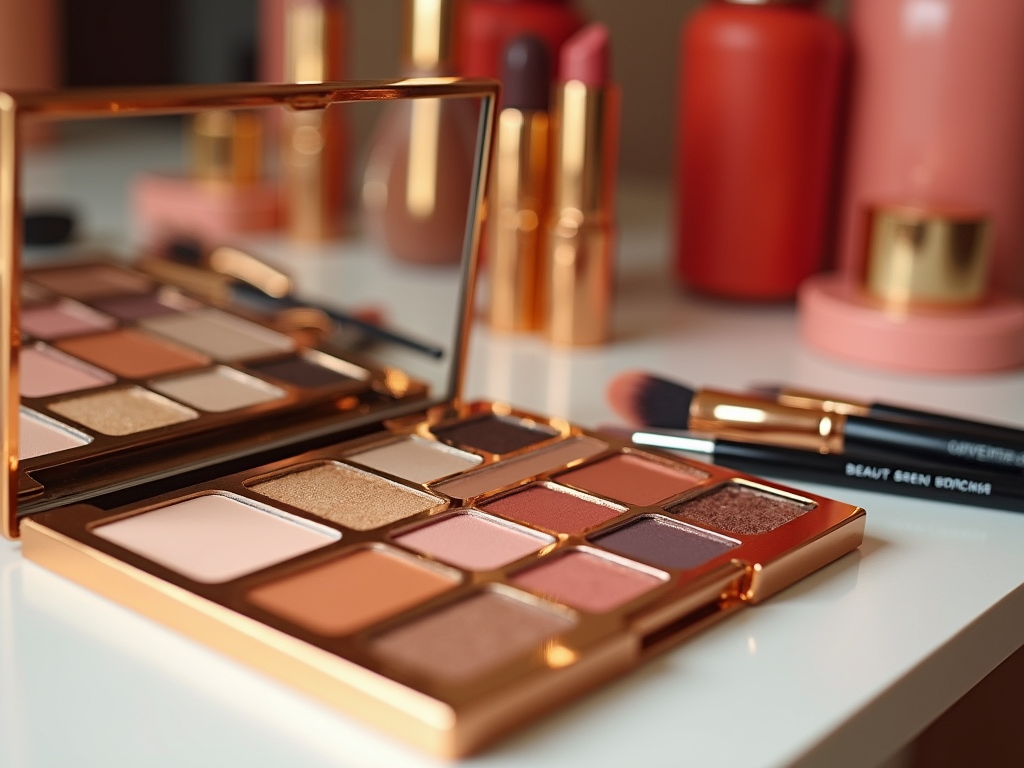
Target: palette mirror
[248,267]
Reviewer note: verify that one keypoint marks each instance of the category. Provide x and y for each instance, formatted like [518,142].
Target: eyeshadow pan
[470,638]
[134,308]
[660,541]
[132,354]
[44,372]
[214,537]
[554,509]
[40,436]
[218,389]
[220,335]
[474,542]
[123,411]
[346,495]
[91,281]
[740,509]
[65,318]
[520,468]
[588,582]
[300,372]
[634,479]
[495,434]
[416,459]
[351,592]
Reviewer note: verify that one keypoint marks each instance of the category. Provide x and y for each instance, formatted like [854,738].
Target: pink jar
[937,118]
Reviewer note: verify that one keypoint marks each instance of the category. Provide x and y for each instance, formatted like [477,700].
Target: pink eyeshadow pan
[555,510]
[475,542]
[588,582]
[44,372]
[65,318]
[633,479]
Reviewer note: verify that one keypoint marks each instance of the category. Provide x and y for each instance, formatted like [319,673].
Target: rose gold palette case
[314,498]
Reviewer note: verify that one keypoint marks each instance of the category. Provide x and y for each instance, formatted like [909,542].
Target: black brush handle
[864,434]
[979,429]
[976,487]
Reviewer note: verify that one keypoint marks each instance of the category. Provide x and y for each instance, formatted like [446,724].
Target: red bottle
[758,119]
[486,27]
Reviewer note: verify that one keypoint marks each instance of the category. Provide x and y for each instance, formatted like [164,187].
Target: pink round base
[836,319]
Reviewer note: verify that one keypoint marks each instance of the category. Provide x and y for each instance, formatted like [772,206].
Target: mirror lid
[185,100]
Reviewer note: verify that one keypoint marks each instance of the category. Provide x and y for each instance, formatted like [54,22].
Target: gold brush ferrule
[580,241]
[227,146]
[752,420]
[518,205]
[815,401]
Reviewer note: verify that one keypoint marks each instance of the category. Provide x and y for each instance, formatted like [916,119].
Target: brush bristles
[650,401]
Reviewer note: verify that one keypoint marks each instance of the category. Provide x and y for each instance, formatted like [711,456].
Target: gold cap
[226,146]
[428,36]
[920,257]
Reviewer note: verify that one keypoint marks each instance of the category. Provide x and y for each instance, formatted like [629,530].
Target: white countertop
[840,670]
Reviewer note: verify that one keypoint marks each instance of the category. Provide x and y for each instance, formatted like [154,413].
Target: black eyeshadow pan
[494,434]
[299,372]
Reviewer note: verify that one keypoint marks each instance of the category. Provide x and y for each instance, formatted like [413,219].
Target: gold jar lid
[922,257]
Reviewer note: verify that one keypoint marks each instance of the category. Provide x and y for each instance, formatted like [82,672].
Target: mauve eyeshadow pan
[660,541]
[588,582]
[739,509]
[494,434]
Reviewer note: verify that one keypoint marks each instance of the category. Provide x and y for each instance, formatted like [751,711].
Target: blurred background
[126,42]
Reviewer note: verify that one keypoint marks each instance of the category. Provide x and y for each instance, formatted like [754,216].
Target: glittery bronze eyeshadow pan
[741,509]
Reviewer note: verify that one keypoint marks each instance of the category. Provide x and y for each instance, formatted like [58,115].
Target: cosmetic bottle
[30,53]
[419,172]
[303,42]
[761,85]
[937,116]
[920,299]
[486,27]
[222,196]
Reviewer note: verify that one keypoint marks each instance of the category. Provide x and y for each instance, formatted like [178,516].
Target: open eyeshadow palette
[332,513]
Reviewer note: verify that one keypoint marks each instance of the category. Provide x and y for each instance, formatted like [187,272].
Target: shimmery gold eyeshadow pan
[334,514]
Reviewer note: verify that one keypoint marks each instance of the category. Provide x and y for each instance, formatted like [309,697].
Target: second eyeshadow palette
[455,576]
[113,361]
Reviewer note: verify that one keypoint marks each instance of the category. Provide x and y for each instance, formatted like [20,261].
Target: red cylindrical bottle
[761,84]
[486,27]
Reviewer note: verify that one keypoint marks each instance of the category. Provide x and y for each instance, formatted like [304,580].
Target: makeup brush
[802,398]
[651,401]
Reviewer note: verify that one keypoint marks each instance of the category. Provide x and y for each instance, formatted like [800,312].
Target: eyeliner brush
[800,398]
[655,402]
[976,487]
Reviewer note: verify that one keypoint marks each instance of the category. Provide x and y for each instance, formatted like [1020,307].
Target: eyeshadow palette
[307,492]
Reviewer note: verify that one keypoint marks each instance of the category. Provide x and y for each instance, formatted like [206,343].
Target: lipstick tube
[580,238]
[519,188]
[313,140]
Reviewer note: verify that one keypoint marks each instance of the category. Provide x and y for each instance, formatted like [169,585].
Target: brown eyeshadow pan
[132,354]
[494,434]
[463,641]
[740,509]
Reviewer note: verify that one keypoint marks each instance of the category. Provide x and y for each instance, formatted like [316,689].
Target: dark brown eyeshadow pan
[299,372]
[740,509]
[494,434]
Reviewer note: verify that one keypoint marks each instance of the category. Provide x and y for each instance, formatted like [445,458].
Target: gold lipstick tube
[753,420]
[313,140]
[580,240]
[519,191]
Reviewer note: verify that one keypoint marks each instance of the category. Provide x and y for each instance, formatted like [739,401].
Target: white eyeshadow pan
[218,389]
[215,537]
[220,335]
[416,459]
[39,436]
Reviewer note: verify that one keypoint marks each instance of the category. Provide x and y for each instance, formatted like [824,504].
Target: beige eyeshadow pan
[346,495]
[123,411]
